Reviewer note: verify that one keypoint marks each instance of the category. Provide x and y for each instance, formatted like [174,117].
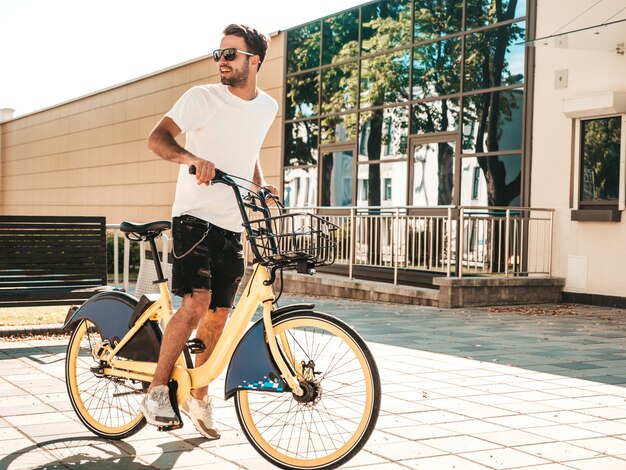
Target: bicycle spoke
[327,422]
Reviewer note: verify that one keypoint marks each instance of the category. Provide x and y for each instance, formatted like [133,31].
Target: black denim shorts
[215,264]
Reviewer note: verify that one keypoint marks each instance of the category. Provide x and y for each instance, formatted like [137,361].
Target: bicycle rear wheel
[333,420]
[108,406]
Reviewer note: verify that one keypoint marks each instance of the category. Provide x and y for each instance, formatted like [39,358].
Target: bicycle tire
[107,406]
[334,420]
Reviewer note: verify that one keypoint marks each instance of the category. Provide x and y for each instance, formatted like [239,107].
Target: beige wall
[590,255]
[90,157]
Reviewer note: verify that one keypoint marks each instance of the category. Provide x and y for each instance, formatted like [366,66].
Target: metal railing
[451,241]
[114,230]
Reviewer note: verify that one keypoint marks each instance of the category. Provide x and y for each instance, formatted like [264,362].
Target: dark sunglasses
[229,53]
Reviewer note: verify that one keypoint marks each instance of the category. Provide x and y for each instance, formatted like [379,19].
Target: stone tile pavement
[532,388]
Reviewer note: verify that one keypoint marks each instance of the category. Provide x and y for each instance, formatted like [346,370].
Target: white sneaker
[157,408]
[201,414]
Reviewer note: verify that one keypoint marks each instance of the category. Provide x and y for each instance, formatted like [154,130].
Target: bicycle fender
[251,366]
[112,312]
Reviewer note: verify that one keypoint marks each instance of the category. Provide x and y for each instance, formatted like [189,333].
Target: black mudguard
[252,366]
[114,313]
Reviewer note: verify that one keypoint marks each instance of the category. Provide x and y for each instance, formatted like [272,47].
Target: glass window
[385,79]
[435,116]
[493,121]
[437,68]
[433,174]
[303,47]
[385,25]
[341,128]
[383,134]
[302,96]
[340,40]
[388,189]
[336,189]
[301,140]
[381,184]
[504,176]
[339,88]
[600,143]
[495,57]
[434,18]
[476,182]
[485,12]
[300,187]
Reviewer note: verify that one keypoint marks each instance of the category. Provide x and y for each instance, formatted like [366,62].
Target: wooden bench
[47,260]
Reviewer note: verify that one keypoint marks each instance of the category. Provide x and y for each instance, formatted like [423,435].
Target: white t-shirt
[228,131]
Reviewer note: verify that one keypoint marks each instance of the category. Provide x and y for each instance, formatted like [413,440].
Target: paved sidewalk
[481,388]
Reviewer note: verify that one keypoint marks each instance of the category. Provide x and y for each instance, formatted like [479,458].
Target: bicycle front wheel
[108,406]
[333,420]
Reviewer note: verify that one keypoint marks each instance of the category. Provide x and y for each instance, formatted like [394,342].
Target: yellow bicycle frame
[256,292]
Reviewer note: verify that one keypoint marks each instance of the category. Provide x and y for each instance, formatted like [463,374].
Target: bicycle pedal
[196,346]
[170,428]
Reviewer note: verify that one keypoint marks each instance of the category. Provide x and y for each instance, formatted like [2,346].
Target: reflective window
[303,47]
[336,189]
[434,18]
[504,175]
[437,68]
[495,57]
[493,121]
[485,12]
[301,140]
[302,96]
[381,184]
[435,116]
[383,134]
[340,128]
[600,154]
[340,37]
[377,75]
[339,88]
[385,25]
[300,187]
[385,79]
[433,174]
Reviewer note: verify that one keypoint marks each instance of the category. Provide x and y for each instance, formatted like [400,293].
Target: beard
[235,78]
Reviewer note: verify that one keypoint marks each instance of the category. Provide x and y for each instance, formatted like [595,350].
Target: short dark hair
[257,42]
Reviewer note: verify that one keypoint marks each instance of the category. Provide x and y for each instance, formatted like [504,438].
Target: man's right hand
[205,170]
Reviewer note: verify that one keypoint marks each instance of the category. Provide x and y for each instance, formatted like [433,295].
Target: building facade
[424,105]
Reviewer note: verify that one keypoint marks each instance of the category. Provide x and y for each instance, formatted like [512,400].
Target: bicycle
[306,388]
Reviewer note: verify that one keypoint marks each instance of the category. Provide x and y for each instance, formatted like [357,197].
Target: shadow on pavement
[90,452]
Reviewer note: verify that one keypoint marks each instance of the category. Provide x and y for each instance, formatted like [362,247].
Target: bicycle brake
[196,346]
[173,387]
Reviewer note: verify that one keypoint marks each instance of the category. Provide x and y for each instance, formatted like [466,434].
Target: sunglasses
[229,53]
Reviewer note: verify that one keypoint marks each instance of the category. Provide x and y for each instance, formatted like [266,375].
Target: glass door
[432,163]
[337,176]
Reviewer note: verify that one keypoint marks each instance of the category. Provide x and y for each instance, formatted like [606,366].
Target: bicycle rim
[332,423]
[108,406]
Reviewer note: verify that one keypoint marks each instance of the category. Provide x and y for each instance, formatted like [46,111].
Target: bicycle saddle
[148,229]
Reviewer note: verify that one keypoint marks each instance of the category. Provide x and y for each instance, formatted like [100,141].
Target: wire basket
[291,238]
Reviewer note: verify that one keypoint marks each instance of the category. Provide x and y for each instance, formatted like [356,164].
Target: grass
[22,316]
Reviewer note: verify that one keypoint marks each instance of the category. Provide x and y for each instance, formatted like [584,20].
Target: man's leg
[177,333]
[209,331]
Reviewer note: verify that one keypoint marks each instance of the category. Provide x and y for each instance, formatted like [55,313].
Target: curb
[54,329]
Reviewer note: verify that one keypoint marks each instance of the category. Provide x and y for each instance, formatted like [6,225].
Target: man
[225,125]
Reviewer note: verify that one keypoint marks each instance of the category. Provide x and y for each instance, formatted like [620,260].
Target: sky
[52,51]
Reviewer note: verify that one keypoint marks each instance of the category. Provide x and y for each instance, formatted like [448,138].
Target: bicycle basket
[289,238]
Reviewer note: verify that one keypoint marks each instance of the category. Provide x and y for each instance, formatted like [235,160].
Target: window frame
[579,205]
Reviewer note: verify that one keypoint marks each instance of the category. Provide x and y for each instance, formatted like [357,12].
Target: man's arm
[259,179]
[162,141]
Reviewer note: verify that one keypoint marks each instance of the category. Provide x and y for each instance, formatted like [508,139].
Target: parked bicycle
[306,388]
